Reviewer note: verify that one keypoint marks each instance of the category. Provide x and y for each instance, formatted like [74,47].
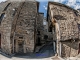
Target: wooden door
[20,46]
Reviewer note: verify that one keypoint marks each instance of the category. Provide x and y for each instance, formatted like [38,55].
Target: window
[21,37]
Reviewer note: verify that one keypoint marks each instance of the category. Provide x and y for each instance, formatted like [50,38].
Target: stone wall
[25,27]
[40,24]
[18,26]
[69,49]
[40,21]
[65,22]
[65,17]
[6,25]
[2,6]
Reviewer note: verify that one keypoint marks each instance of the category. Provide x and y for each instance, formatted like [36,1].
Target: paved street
[44,54]
[2,57]
[26,58]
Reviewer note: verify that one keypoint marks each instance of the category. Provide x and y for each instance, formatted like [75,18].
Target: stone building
[18,27]
[40,28]
[46,32]
[22,28]
[64,22]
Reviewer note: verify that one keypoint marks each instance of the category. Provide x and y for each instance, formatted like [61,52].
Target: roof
[2,6]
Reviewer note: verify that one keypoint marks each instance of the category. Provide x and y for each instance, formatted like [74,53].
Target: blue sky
[72,3]
[43,4]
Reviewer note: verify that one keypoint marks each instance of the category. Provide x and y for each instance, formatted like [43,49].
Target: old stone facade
[63,21]
[23,29]
[6,25]
[40,25]
[18,27]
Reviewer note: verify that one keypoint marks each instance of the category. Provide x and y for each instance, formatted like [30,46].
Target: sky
[75,4]
[2,0]
[43,4]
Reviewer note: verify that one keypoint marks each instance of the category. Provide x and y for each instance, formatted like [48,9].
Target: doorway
[19,46]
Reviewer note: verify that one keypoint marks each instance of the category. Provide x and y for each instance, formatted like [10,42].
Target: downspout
[58,38]
[57,32]
[54,43]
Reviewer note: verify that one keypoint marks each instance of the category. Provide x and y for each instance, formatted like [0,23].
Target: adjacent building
[64,22]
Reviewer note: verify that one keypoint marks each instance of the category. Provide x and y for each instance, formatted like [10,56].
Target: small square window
[21,37]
